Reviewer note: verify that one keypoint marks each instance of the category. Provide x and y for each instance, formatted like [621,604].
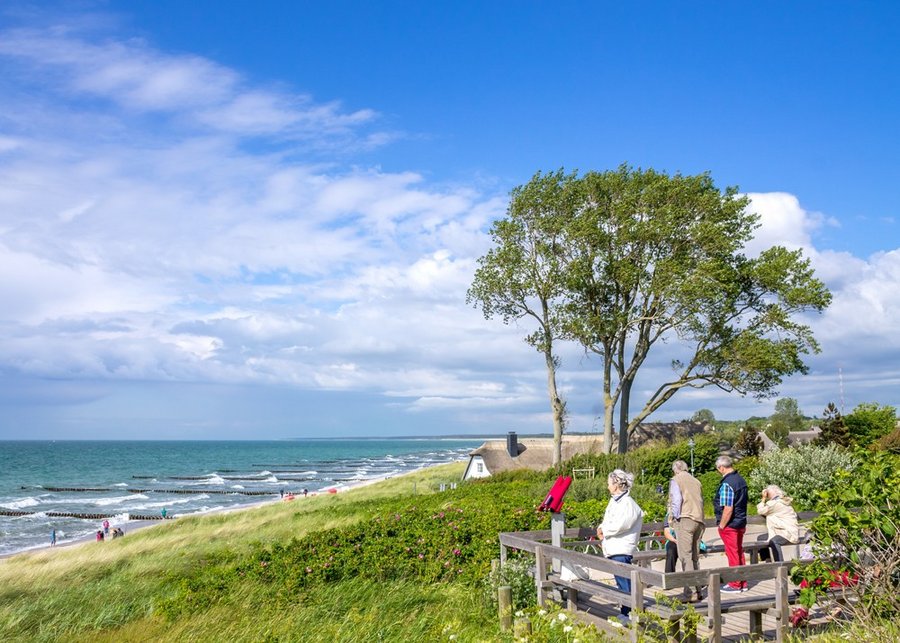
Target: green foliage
[650,465]
[802,472]
[439,538]
[833,429]
[551,624]
[857,536]
[710,482]
[703,415]
[518,573]
[749,443]
[620,260]
[786,419]
[868,422]
[746,466]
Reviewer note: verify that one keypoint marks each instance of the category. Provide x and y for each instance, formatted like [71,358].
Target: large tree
[657,258]
[633,258]
[787,418]
[521,277]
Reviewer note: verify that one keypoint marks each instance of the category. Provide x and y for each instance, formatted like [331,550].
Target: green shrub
[857,533]
[748,443]
[518,573]
[802,472]
[869,422]
[650,465]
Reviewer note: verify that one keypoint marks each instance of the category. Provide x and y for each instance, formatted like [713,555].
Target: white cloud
[176,252]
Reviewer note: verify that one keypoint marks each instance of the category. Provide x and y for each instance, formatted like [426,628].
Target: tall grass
[89,591]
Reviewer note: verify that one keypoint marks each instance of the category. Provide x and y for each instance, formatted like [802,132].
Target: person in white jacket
[621,527]
[781,521]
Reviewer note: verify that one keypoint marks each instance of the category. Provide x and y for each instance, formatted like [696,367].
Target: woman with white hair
[781,521]
[621,527]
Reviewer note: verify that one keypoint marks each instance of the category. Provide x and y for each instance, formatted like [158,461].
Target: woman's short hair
[774,491]
[621,479]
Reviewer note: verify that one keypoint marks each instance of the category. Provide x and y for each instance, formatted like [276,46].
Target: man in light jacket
[621,527]
[781,521]
[686,517]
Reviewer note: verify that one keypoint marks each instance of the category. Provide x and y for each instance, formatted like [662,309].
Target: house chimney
[512,444]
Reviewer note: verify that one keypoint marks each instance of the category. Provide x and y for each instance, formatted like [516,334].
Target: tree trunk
[608,408]
[557,406]
[624,398]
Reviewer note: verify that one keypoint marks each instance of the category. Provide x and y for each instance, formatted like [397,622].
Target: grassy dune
[108,591]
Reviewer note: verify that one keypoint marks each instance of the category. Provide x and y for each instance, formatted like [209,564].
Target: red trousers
[733,539]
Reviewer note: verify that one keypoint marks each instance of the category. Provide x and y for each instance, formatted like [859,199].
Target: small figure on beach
[305,492]
[163,512]
[99,535]
[281,491]
[105,528]
[117,533]
[53,538]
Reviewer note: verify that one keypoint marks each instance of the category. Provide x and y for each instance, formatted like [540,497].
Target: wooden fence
[555,547]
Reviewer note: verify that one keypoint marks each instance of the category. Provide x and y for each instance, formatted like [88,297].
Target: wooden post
[557,531]
[781,604]
[495,565]
[504,602]
[637,604]
[539,573]
[714,600]
[756,627]
[522,628]
[502,554]
[572,599]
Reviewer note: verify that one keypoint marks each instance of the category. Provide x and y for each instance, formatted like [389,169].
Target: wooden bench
[644,578]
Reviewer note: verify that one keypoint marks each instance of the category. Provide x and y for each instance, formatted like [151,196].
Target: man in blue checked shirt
[730,503]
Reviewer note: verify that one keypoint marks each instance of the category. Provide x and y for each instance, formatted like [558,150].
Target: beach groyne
[240,492]
[83,516]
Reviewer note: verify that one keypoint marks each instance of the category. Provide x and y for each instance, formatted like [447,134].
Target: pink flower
[421,556]
[456,552]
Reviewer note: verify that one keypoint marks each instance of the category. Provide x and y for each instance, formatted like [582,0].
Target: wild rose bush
[452,536]
[448,536]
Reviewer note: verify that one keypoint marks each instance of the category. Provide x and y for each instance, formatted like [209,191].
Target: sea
[123,481]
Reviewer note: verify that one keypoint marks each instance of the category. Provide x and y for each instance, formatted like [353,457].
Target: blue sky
[238,220]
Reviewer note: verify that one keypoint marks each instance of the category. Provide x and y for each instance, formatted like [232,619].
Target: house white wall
[476,468]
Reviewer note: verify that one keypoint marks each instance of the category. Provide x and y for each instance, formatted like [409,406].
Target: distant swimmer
[163,512]
[53,538]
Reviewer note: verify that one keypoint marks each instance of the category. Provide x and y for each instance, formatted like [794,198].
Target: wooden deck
[762,612]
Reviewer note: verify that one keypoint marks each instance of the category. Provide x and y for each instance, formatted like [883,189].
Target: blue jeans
[623,583]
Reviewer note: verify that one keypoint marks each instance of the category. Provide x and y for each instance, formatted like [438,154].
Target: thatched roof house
[495,456]
[794,438]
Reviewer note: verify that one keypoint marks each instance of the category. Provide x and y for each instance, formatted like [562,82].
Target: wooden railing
[556,547]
